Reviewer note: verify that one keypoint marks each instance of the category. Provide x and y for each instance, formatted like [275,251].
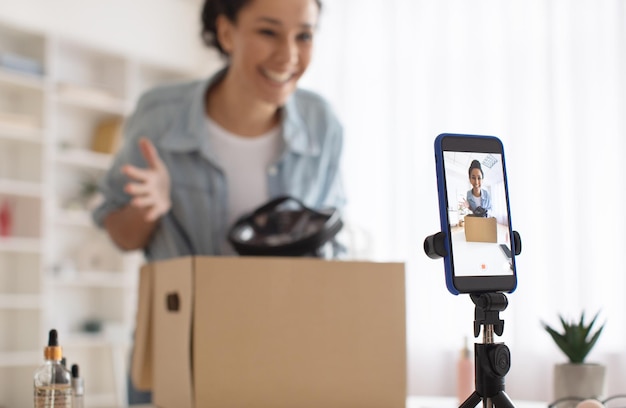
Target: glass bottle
[78,387]
[52,382]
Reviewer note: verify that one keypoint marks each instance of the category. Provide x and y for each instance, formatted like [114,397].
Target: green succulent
[576,340]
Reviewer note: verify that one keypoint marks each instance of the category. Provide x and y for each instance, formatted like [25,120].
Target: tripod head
[487,312]
[493,360]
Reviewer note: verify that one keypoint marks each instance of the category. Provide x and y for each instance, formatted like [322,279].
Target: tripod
[491,360]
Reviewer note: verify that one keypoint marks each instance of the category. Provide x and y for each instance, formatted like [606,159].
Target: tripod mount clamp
[492,360]
[435,245]
[487,311]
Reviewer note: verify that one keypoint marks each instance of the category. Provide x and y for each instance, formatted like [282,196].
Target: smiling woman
[268,46]
[199,155]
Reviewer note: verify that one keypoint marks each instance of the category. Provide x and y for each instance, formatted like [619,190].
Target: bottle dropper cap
[53,351]
[77,382]
[75,373]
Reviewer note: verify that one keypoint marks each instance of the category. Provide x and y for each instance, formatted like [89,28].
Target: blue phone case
[443,206]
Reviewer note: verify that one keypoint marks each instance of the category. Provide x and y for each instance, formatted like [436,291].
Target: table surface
[416,401]
[451,402]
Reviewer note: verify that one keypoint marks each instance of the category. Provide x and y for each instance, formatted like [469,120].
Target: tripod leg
[471,401]
[501,400]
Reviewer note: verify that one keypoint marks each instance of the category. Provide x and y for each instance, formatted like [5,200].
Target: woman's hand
[150,187]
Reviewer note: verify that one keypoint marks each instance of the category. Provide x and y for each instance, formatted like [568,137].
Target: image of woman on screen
[478,199]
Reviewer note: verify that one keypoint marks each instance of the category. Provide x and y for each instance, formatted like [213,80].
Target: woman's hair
[475,165]
[230,9]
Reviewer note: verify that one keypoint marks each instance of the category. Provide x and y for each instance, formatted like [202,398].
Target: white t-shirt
[245,162]
[478,200]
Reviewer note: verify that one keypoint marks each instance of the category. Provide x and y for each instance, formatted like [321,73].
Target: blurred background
[548,77]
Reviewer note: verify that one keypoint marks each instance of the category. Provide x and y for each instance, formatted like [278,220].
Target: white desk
[437,402]
[450,402]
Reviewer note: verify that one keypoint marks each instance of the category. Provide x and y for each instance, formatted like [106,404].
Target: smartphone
[475,214]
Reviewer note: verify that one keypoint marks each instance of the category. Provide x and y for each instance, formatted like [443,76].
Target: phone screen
[474,194]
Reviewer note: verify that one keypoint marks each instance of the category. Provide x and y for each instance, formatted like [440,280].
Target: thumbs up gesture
[149,187]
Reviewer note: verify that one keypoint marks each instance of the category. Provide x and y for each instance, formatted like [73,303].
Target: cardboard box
[479,229]
[271,332]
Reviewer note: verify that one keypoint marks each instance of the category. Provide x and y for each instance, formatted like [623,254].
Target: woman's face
[270,46]
[476,179]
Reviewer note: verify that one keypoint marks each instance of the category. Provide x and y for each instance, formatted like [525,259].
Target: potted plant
[90,197]
[577,379]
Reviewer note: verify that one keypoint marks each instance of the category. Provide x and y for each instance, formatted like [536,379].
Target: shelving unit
[57,270]
[22,96]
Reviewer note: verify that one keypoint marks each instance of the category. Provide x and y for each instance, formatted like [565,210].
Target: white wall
[161,31]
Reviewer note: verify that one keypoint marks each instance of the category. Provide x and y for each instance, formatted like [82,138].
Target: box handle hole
[172,301]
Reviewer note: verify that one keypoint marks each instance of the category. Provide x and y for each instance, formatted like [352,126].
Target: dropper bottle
[78,388]
[52,382]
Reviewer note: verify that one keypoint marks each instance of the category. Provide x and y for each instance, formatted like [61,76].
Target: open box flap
[141,365]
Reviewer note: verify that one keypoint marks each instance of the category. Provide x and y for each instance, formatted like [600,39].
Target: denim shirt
[173,117]
[485,198]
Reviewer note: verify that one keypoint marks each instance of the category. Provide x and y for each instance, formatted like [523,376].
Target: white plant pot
[579,380]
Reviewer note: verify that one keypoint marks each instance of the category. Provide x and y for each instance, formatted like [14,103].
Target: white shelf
[86,340]
[96,279]
[84,158]
[21,359]
[19,79]
[21,133]
[21,245]
[95,340]
[92,99]
[76,218]
[20,302]
[21,188]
